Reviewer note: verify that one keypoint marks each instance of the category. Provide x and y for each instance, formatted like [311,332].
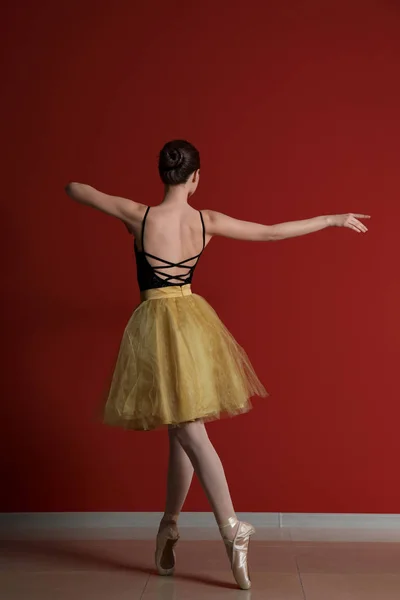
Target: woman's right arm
[219,224]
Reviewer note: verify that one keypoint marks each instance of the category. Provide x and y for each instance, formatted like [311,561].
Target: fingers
[357,225]
[360,216]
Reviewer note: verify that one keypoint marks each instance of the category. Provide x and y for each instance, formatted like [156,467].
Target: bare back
[172,239]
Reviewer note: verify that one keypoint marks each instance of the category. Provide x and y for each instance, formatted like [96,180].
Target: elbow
[271,234]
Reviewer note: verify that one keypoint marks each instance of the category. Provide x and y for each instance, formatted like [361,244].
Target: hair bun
[174,158]
[177,160]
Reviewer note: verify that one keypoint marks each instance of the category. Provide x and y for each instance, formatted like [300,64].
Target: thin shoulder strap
[204,229]
[143,224]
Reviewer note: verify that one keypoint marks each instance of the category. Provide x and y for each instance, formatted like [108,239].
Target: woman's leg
[180,475]
[207,465]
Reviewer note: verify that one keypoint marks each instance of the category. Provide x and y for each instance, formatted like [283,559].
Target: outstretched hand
[350,220]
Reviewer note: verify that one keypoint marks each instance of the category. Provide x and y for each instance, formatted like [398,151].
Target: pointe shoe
[165,555]
[237,550]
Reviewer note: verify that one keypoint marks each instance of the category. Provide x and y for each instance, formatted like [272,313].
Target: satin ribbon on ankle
[232,522]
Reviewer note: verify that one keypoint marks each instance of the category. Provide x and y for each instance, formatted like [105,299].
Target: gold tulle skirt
[177,362]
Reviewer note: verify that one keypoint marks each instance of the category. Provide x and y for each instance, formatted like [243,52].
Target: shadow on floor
[75,557]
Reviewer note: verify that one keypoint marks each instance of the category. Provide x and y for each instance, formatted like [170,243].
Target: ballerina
[178,365]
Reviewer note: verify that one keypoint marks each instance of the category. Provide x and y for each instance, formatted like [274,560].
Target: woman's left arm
[122,208]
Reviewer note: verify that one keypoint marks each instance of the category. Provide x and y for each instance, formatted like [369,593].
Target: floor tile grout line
[300,579]
[145,586]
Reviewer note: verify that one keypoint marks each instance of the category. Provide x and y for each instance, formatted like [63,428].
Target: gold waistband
[174,291]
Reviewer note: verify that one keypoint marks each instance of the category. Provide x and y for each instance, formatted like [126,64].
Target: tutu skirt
[177,362]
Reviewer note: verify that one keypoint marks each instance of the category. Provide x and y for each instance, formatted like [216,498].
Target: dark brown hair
[177,161]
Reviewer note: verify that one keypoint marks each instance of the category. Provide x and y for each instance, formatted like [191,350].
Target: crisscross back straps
[167,264]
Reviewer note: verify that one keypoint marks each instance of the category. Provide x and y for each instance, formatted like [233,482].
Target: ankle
[169,519]
[228,529]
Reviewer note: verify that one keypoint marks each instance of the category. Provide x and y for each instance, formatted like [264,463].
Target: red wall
[295,108]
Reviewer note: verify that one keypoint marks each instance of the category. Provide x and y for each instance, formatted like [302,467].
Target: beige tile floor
[286,564]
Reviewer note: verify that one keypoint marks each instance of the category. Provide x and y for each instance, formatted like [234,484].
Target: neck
[175,194]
